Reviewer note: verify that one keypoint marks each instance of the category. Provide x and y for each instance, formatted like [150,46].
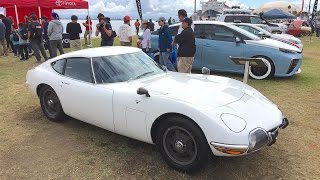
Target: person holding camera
[104,27]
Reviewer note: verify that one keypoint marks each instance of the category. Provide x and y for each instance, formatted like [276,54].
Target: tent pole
[39,9]
[16,11]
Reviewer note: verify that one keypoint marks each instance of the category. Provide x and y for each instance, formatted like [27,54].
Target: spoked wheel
[182,144]
[262,72]
[50,104]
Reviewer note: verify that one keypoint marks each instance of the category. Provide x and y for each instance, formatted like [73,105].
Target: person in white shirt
[146,37]
[125,32]
[182,14]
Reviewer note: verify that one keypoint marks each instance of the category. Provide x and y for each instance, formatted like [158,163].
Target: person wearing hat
[74,30]
[187,47]
[100,16]
[165,40]
[125,32]
[55,30]
[104,27]
[146,37]
[44,21]
[36,39]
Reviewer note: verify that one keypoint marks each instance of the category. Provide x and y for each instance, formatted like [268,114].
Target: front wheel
[182,144]
[262,72]
[50,104]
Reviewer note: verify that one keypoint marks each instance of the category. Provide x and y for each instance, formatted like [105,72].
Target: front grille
[293,65]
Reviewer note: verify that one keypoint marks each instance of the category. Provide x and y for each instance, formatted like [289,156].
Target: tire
[51,105]
[260,73]
[182,144]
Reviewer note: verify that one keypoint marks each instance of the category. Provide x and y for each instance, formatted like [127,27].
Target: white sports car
[188,116]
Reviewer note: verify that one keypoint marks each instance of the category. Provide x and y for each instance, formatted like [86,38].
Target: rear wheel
[182,144]
[50,104]
[263,72]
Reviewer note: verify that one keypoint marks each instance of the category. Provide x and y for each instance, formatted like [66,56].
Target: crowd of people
[35,36]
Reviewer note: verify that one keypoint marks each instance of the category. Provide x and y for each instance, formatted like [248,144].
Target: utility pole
[195,6]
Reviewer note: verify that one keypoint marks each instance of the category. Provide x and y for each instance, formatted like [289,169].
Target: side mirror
[238,40]
[205,70]
[143,91]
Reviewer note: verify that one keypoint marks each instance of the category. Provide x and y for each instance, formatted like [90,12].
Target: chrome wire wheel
[180,145]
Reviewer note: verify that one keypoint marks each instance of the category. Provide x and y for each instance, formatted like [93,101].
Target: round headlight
[233,122]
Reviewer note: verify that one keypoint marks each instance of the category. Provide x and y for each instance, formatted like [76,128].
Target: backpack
[15,37]
[24,34]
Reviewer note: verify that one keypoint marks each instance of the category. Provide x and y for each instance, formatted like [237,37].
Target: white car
[258,31]
[188,116]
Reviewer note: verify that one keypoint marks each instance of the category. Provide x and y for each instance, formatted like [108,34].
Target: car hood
[288,37]
[267,42]
[202,91]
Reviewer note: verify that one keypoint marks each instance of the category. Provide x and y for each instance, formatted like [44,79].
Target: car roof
[100,51]
[204,22]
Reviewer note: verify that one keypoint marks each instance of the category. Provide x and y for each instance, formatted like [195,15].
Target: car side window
[199,31]
[80,69]
[174,30]
[59,65]
[219,33]
[242,19]
[250,29]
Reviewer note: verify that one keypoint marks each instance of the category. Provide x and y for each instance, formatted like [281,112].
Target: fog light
[258,138]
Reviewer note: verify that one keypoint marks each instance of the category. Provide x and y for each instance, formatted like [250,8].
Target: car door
[82,98]
[219,46]
[197,63]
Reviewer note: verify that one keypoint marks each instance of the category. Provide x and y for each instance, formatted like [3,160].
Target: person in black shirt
[187,47]
[74,30]
[35,38]
[104,27]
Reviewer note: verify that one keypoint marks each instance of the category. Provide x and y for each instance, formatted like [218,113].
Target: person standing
[23,42]
[317,27]
[151,25]
[55,30]
[170,21]
[165,40]
[88,32]
[125,33]
[137,25]
[104,27]
[187,47]
[74,30]
[3,41]
[8,25]
[45,23]
[36,40]
[14,38]
[146,37]
[182,14]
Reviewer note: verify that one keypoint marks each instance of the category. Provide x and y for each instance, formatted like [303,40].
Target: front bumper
[266,138]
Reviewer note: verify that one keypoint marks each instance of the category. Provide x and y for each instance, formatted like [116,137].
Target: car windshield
[244,32]
[255,20]
[124,67]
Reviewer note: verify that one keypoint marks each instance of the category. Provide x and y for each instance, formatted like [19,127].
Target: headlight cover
[258,138]
[233,122]
[287,51]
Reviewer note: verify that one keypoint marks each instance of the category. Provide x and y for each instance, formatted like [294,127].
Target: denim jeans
[165,61]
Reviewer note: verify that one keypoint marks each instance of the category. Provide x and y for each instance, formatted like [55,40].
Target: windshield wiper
[144,74]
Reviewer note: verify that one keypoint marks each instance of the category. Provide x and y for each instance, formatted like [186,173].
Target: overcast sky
[157,8]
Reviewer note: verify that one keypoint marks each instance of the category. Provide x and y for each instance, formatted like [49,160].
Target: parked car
[253,19]
[299,28]
[217,41]
[286,38]
[189,117]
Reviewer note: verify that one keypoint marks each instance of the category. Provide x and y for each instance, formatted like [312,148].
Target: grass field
[31,147]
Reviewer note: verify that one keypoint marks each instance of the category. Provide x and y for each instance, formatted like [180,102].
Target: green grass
[31,147]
